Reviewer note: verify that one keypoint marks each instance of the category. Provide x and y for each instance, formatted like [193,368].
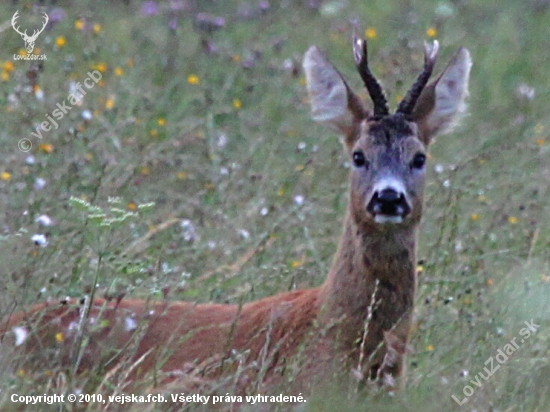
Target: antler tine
[37,32]
[14,22]
[430,56]
[14,18]
[46,20]
[375,90]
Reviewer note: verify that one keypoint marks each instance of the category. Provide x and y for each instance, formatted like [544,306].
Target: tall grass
[213,127]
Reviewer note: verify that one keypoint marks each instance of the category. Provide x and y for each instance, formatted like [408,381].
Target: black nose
[388,202]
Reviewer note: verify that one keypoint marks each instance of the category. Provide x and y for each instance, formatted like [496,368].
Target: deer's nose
[388,205]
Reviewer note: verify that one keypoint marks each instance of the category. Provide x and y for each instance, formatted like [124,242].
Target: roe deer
[355,325]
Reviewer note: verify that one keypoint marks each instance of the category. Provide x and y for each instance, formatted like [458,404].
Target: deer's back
[167,336]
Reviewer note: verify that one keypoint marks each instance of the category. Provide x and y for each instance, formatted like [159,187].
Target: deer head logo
[29,40]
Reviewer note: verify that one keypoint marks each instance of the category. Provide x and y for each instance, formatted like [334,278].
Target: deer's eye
[419,160]
[359,159]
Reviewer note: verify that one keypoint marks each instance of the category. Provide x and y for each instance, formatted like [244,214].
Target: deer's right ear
[331,99]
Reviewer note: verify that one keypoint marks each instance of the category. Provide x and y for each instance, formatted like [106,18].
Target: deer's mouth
[388,219]
[388,206]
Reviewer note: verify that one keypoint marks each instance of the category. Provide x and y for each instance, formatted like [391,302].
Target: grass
[222,139]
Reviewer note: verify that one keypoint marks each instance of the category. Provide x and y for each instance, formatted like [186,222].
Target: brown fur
[327,319]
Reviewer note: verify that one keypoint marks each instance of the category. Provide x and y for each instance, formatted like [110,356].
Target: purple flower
[149,8]
[57,14]
[173,23]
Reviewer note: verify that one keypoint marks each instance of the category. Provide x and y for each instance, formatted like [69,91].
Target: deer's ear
[442,102]
[332,102]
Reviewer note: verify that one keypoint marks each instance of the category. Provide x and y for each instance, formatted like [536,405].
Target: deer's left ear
[443,101]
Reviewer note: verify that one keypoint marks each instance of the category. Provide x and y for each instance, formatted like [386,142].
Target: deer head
[29,40]
[388,151]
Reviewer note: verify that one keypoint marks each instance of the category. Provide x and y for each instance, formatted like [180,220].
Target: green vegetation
[212,125]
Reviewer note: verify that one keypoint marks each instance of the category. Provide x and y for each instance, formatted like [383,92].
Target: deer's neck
[373,270]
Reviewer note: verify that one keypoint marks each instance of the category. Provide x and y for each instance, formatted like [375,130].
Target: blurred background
[202,110]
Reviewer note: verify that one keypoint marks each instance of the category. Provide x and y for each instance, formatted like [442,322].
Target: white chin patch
[388,219]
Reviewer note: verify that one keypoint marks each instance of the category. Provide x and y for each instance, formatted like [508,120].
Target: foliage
[202,110]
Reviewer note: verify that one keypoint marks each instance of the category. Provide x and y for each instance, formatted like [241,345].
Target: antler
[430,56]
[37,32]
[375,90]
[24,34]
[13,23]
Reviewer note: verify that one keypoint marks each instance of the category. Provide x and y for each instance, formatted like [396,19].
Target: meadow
[192,171]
